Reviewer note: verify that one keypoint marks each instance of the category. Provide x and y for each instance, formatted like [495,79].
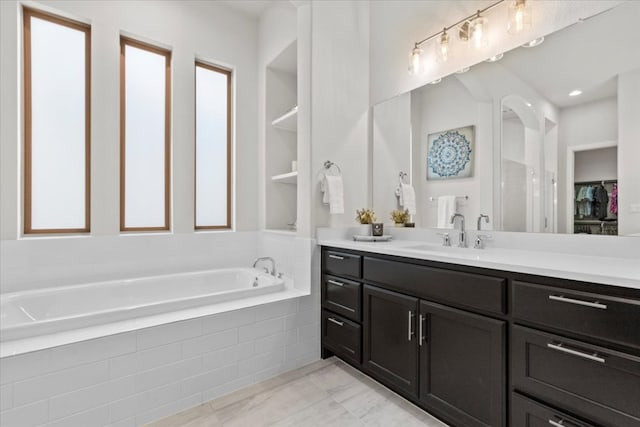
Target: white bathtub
[32,313]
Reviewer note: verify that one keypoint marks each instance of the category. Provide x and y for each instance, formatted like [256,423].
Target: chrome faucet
[462,241]
[480,221]
[271,260]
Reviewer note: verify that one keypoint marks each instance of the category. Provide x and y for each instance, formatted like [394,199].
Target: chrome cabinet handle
[410,331]
[333,282]
[560,423]
[336,257]
[560,347]
[421,320]
[562,298]
[337,322]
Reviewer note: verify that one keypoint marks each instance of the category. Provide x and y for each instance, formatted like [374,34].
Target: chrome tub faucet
[272,271]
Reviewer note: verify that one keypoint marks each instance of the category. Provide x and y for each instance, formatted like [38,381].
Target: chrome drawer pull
[561,423]
[562,298]
[337,322]
[410,332]
[333,282]
[336,257]
[421,320]
[593,356]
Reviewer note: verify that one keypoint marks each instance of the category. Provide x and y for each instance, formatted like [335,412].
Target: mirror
[542,159]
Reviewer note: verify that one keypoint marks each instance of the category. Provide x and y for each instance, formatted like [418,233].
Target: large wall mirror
[544,158]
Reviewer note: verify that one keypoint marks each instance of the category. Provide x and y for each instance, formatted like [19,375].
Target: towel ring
[329,164]
[401,176]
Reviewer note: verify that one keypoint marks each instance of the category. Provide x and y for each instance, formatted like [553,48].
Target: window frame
[229,75]
[127,41]
[27,14]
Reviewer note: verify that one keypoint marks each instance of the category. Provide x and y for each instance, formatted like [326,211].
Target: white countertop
[623,272]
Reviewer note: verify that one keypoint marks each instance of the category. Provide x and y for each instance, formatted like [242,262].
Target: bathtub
[32,313]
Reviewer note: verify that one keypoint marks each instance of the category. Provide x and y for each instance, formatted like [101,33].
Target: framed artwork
[450,154]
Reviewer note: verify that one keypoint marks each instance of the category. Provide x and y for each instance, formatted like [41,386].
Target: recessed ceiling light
[528,104]
[534,42]
[435,82]
[462,70]
[495,58]
[575,92]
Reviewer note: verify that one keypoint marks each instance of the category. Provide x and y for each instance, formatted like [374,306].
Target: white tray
[384,238]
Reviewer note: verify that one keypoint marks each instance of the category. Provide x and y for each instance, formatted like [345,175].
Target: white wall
[596,165]
[444,106]
[584,124]
[340,122]
[392,147]
[192,30]
[629,148]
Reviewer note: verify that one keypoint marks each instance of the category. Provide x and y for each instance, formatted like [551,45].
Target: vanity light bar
[473,29]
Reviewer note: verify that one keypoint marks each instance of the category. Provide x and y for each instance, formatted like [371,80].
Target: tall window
[145,99]
[213,147]
[57,112]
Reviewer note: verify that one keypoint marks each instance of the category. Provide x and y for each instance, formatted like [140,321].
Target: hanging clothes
[600,200]
[614,199]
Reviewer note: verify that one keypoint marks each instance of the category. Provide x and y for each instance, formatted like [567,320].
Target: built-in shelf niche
[281,141]
[288,121]
[286,178]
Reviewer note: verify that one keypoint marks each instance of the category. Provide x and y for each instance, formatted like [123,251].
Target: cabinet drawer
[592,382]
[608,318]
[526,412]
[342,264]
[467,289]
[342,296]
[341,336]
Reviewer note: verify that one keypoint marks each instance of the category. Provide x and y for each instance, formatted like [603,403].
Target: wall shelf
[286,178]
[288,121]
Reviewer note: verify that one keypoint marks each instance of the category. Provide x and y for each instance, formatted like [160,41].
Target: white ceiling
[586,56]
[254,8]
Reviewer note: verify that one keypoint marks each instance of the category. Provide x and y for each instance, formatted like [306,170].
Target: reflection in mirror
[543,158]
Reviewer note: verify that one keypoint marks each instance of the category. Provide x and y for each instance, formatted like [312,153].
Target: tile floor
[324,393]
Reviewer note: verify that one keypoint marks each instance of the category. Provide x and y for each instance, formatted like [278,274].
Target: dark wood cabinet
[479,347]
[390,339]
[528,413]
[593,382]
[341,336]
[462,365]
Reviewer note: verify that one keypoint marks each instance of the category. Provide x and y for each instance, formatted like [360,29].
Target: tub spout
[271,260]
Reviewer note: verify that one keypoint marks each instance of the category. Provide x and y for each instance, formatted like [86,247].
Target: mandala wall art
[450,154]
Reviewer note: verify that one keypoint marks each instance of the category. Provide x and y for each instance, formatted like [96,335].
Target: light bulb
[415,61]
[443,47]
[479,32]
[519,16]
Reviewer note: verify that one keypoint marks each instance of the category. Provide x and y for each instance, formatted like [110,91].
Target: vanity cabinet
[462,365]
[390,340]
[480,347]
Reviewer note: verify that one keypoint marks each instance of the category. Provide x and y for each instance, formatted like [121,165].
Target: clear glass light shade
[478,32]
[519,16]
[443,47]
[415,61]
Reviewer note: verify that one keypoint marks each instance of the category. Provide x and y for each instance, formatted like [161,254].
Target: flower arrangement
[365,216]
[400,216]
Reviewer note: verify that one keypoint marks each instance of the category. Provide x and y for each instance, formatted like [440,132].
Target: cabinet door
[390,342]
[462,365]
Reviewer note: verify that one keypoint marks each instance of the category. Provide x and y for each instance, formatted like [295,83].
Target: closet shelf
[286,178]
[288,121]
[595,221]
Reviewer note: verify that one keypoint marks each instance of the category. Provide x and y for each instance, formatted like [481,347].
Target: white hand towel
[333,193]
[408,198]
[446,208]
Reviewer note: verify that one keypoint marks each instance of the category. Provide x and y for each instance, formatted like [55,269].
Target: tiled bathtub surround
[136,377]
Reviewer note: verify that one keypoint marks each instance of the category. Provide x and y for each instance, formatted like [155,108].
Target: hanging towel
[333,191]
[446,208]
[408,198]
